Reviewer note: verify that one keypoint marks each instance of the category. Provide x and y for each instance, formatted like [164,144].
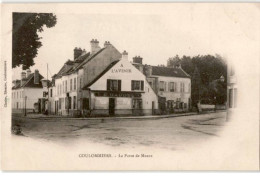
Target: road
[168,133]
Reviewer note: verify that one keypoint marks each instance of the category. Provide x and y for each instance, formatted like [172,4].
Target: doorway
[111,106]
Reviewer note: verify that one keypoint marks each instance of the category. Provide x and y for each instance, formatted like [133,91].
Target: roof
[29,82]
[169,72]
[101,74]
[71,66]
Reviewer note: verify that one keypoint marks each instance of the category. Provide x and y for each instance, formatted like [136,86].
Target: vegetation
[26,41]
[205,72]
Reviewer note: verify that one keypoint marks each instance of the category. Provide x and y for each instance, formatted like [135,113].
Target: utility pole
[48,92]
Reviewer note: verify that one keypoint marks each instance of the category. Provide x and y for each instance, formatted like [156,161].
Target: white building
[26,92]
[172,85]
[121,89]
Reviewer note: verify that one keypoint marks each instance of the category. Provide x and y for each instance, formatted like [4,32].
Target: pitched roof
[101,74]
[169,72]
[29,82]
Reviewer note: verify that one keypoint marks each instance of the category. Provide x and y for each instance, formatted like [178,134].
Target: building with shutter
[172,85]
[26,92]
[66,96]
[121,89]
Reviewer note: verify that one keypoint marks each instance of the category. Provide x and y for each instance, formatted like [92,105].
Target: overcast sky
[161,32]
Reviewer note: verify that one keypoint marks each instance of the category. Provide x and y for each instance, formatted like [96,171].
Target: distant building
[27,91]
[172,85]
[231,87]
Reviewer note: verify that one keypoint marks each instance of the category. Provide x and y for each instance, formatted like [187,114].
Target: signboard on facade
[117,94]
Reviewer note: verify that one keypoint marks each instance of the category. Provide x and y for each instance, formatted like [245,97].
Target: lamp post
[25,98]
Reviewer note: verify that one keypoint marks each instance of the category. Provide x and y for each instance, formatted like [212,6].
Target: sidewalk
[49,117]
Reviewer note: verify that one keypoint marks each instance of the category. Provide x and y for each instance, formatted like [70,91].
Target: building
[172,85]
[231,87]
[26,92]
[66,96]
[120,89]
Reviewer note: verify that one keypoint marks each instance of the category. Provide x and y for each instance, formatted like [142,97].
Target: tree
[174,61]
[26,41]
[195,86]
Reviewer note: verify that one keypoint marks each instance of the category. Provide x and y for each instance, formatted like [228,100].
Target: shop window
[161,85]
[113,85]
[137,85]
[137,104]
[86,103]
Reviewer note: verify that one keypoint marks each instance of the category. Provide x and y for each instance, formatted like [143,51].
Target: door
[111,106]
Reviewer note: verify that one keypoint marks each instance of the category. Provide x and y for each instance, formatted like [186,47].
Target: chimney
[106,44]
[125,55]
[77,52]
[36,77]
[138,59]
[148,70]
[28,72]
[94,44]
[23,78]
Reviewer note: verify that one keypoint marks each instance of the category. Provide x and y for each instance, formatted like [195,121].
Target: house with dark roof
[66,94]
[27,91]
[171,84]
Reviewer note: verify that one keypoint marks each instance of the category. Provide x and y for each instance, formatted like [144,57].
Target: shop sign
[117,94]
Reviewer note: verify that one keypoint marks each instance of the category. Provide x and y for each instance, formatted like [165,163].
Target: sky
[154,32]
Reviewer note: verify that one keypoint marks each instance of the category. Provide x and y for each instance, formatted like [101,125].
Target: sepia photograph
[131,86]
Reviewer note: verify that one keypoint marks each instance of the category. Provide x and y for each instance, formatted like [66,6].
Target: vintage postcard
[130,86]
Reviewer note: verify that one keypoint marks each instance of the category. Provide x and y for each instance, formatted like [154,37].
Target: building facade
[120,89]
[66,95]
[26,92]
[172,85]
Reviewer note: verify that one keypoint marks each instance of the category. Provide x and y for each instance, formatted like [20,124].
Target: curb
[118,118]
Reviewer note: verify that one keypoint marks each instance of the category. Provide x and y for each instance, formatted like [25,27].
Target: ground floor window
[137,104]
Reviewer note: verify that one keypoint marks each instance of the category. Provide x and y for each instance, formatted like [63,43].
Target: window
[70,84]
[113,85]
[75,84]
[137,85]
[137,103]
[161,86]
[74,102]
[66,86]
[50,92]
[182,87]
[80,83]
[172,87]
[59,103]
[63,88]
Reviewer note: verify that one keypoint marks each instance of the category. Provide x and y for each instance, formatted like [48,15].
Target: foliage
[204,71]
[26,41]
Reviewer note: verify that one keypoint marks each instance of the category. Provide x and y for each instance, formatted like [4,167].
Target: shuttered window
[113,85]
[137,85]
